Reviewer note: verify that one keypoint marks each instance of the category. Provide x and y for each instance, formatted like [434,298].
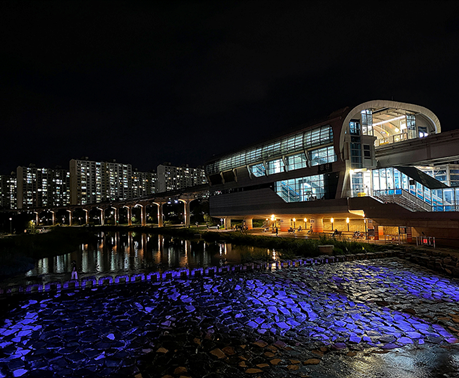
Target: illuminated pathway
[254,323]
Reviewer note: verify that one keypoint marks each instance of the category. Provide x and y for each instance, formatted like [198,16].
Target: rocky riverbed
[372,318]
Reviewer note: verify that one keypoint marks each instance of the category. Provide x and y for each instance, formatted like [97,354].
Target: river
[119,253]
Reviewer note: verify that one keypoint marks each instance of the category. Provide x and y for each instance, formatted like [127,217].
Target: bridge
[433,149]
[185,196]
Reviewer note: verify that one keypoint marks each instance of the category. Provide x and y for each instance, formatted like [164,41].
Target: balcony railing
[391,139]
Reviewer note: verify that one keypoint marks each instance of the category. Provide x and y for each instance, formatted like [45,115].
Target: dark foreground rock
[295,322]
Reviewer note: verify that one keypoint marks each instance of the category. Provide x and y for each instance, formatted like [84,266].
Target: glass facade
[296,161]
[322,156]
[288,147]
[448,174]
[275,166]
[258,170]
[301,189]
[391,181]
[367,121]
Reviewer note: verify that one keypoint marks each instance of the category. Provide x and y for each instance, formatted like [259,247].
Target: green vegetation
[18,253]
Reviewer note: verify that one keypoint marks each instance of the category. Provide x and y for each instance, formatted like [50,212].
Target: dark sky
[149,82]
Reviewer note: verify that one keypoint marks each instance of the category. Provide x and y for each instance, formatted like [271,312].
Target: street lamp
[11,225]
[273,218]
[332,221]
[294,220]
[347,221]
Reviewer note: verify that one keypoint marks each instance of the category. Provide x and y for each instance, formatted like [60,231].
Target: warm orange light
[347,220]
[273,217]
[305,220]
[332,220]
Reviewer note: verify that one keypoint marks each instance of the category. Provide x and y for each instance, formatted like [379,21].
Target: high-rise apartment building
[8,191]
[42,187]
[95,182]
[174,178]
[143,183]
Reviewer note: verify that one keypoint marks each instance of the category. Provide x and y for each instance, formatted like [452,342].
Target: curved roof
[382,104]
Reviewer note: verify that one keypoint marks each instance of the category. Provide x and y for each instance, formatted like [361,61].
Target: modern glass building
[341,168]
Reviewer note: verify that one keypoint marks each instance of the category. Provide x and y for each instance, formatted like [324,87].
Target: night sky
[149,82]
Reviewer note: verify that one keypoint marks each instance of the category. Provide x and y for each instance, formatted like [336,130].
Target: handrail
[393,195]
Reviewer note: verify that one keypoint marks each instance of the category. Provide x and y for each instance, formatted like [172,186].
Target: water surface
[119,253]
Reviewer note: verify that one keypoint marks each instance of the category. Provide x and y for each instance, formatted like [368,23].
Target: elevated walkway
[433,149]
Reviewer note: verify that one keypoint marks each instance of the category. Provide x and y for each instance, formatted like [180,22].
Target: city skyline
[184,81]
[91,182]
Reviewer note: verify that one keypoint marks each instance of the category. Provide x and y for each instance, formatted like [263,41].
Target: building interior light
[388,121]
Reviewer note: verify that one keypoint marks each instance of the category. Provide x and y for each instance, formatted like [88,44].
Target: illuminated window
[258,170]
[322,156]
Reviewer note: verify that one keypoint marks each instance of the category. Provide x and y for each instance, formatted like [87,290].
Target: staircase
[403,198]
[288,194]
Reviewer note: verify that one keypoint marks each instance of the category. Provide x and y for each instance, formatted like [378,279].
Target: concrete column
[283,225]
[36,218]
[381,232]
[53,218]
[317,224]
[248,223]
[129,214]
[227,223]
[160,213]
[117,214]
[70,216]
[143,215]
[102,216]
[186,212]
[86,216]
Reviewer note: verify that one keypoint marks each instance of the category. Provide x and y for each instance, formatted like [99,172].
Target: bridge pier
[102,215]
[143,214]
[317,224]
[116,215]
[129,214]
[86,216]
[186,211]
[70,216]
[227,223]
[248,223]
[53,218]
[160,213]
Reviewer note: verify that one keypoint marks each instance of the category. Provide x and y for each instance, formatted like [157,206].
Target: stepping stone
[253,371]
[218,353]
[312,361]
[404,340]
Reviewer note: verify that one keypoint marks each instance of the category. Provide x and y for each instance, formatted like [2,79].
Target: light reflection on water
[130,252]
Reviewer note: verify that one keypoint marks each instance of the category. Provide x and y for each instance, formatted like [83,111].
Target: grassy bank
[19,253]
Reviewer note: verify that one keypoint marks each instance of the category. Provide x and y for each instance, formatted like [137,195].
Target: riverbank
[288,247]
